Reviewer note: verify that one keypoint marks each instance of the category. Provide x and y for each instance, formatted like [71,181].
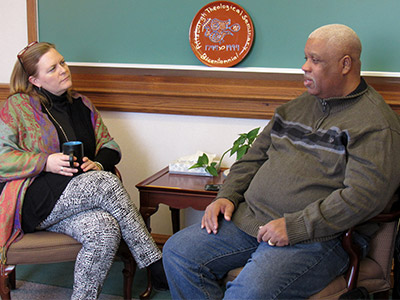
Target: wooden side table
[177,191]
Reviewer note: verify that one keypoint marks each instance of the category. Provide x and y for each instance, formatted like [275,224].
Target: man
[327,161]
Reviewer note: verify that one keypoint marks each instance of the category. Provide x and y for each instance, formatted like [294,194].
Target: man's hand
[274,233]
[210,217]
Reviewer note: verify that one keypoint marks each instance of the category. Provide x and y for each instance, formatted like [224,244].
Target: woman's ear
[34,81]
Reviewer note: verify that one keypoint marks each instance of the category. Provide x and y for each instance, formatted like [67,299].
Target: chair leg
[129,269]
[129,273]
[13,278]
[147,293]
[6,272]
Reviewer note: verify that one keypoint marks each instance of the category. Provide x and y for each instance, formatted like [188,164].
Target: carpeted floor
[35,291]
[54,281]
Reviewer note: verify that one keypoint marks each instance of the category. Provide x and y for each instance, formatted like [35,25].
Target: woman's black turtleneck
[75,120]
[72,121]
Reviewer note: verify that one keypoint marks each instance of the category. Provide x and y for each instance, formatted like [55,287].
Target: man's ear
[34,81]
[346,60]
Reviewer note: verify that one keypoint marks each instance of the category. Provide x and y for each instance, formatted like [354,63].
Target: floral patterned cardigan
[27,138]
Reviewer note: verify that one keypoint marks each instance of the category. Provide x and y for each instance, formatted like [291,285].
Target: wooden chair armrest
[118,173]
[354,251]
[386,217]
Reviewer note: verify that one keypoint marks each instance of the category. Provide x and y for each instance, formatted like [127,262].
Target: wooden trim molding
[4,91]
[235,95]
[188,92]
[184,92]
[223,94]
[31,10]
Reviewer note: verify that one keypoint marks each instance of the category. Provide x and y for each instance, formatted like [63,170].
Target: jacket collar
[336,104]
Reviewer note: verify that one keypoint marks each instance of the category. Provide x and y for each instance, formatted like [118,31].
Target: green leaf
[212,170]
[252,135]
[241,151]
[234,149]
[203,160]
[195,166]
[241,140]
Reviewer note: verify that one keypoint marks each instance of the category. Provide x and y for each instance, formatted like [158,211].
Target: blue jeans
[195,261]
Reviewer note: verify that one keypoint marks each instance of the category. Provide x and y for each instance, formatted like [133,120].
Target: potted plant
[240,146]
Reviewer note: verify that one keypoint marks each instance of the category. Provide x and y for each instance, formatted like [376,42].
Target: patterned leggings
[96,210]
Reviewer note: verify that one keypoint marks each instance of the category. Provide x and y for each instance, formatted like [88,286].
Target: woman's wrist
[99,166]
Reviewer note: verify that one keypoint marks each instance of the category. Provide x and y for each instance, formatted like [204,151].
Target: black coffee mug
[73,148]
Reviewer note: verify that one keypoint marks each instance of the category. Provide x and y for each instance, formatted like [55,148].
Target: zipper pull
[324,105]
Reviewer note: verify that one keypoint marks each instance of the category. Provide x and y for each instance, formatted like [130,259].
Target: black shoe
[158,278]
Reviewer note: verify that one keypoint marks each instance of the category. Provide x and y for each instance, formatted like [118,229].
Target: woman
[39,189]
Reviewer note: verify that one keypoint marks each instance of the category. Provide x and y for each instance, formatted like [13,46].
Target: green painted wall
[157,31]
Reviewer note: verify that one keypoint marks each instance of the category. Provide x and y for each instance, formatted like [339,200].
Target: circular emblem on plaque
[221,34]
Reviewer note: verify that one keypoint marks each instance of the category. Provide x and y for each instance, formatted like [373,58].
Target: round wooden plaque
[221,34]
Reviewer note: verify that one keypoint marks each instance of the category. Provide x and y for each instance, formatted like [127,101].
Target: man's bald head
[341,38]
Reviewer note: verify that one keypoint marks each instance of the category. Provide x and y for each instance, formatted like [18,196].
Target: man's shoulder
[380,109]
[303,99]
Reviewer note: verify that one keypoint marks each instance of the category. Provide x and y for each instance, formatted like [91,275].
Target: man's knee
[181,244]
[172,244]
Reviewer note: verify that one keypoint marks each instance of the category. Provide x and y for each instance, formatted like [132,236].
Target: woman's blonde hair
[26,66]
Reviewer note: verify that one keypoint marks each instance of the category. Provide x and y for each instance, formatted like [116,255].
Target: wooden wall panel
[205,93]
[4,90]
[185,92]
